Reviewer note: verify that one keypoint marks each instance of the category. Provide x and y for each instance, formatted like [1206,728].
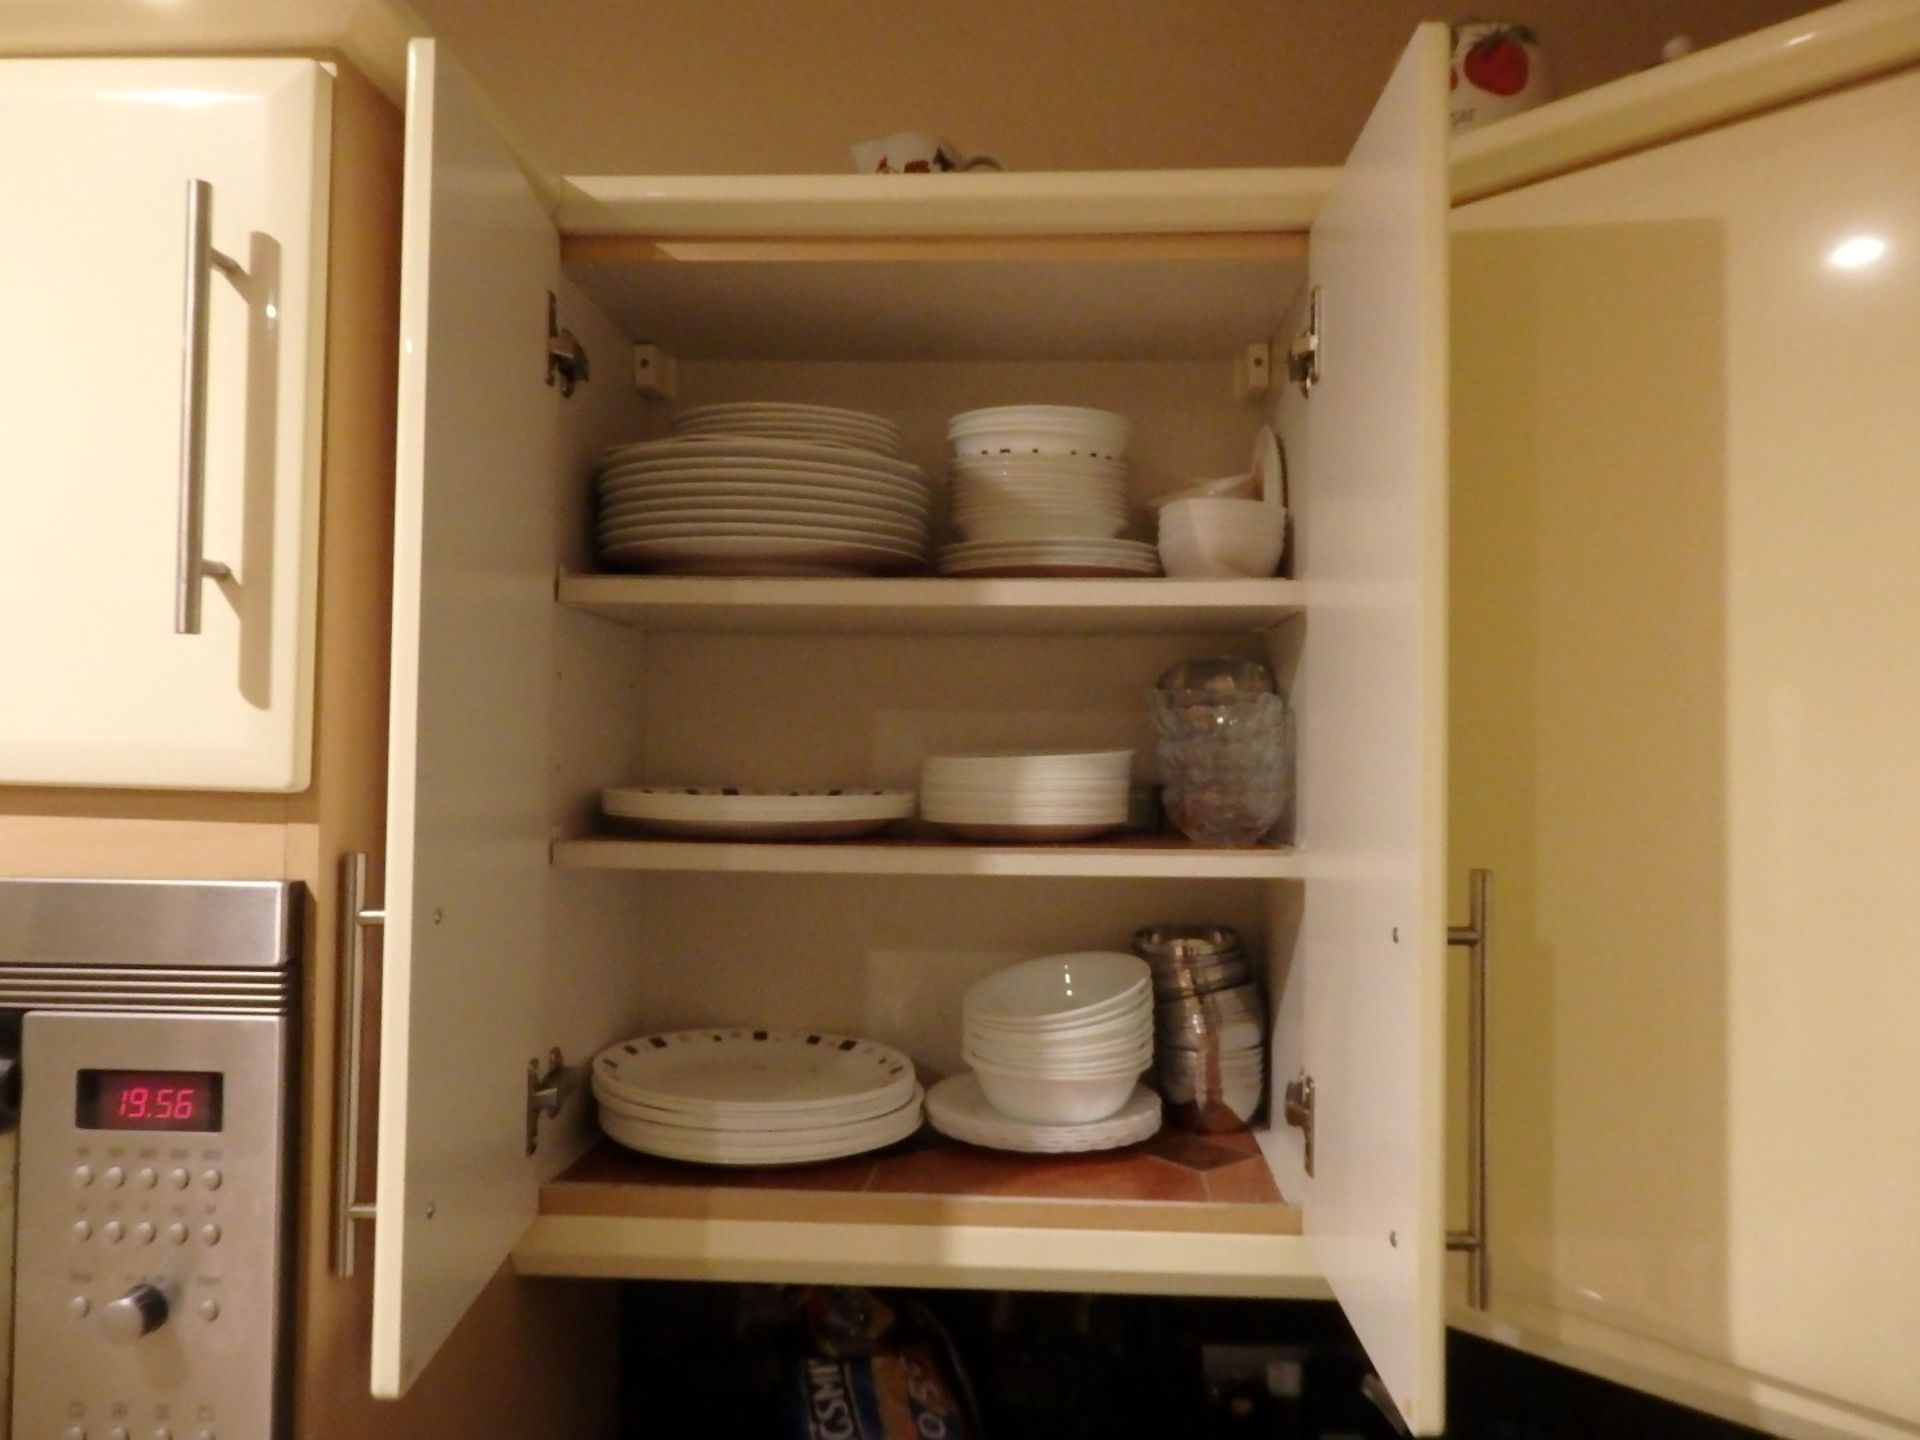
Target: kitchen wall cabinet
[125,663]
[510,711]
[1684,664]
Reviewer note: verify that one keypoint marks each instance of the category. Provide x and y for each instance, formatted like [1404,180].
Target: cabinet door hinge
[1303,354]
[1298,1110]
[550,1084]
[567,363]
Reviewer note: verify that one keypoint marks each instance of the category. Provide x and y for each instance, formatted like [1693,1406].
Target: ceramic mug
[1499,69]
[915,152]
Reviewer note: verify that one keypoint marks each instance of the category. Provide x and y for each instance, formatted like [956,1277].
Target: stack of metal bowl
[1210,1025]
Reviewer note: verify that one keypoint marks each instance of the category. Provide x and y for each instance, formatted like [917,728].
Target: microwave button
[177,1233]
[210,1233]
[118,1432]
[209,1309]
[83,1176]
[114,1177]
[79,1307]
[145,1177]
[113,1230]
[83,1229]
[178,1178]
[143,1232]
[212,1179]
[74,1432]
[161,1432]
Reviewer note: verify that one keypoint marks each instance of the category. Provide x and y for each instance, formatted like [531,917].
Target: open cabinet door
[1360,1011]
[466,885]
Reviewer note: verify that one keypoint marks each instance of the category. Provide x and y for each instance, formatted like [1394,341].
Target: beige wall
[748,86]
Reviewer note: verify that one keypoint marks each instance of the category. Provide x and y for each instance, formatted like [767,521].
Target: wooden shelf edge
[1110,202]
[974,1257]
[1121,860]
[924,604]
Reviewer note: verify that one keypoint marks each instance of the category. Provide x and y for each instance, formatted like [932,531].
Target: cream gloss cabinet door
[1686,641]
[102,681]
[466,884]
[1360,1007]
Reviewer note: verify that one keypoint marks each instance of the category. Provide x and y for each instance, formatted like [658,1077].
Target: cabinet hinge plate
[1303,353]
[567,363]
[1298,1110]
[550,1084]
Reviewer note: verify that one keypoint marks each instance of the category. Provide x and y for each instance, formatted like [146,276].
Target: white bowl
[1039,430]
[1128,1056]
[1249,544]
[1223,514]
[1059,988]
[1226,487]
[1107,1039]
[1076,1100]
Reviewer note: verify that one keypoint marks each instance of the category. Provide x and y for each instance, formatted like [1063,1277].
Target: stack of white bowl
[1060,1040]
[1041,489]
[1027,796]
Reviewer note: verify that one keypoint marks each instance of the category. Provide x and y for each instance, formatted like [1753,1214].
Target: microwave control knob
[141,1311]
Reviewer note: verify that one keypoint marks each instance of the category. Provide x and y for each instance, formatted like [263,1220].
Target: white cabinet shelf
[1146,858]
[1180,1215]
[926,605]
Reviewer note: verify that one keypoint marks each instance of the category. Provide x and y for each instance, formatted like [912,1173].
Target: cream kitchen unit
[1683,665]
[160,553]
[511,932]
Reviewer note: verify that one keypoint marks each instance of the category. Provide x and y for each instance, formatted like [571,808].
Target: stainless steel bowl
[1185,944]
[1185,982]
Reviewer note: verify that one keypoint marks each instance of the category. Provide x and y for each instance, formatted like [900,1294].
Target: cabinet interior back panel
[885,957]
[981,307]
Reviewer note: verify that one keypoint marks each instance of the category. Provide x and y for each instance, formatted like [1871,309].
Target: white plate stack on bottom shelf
[737,1096]
[1057,1046]
[1041,490]
[1027,797]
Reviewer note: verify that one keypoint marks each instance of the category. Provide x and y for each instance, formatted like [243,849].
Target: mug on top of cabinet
[915,152]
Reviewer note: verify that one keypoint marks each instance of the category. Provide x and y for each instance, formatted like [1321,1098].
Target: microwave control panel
[152,1227]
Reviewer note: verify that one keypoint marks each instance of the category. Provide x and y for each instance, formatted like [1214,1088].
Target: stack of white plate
[735,1096]
[1041,490]
[725,504]
[730,813]
[1056,1045]
[1039,497]
[787,420]
[1027,796]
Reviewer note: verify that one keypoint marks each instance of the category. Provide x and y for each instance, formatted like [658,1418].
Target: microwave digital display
[149,1100]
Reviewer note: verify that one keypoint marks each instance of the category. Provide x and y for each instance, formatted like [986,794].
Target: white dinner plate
[852,444]
[695,523]
[728,1068]
[782,407]
[667,482]
[763,556]
[722,816]
[958,1109]
[780,501]
[702,1149]
[740,447]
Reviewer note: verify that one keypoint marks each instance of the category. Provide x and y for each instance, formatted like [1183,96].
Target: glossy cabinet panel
[1686,660]
[101,689]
